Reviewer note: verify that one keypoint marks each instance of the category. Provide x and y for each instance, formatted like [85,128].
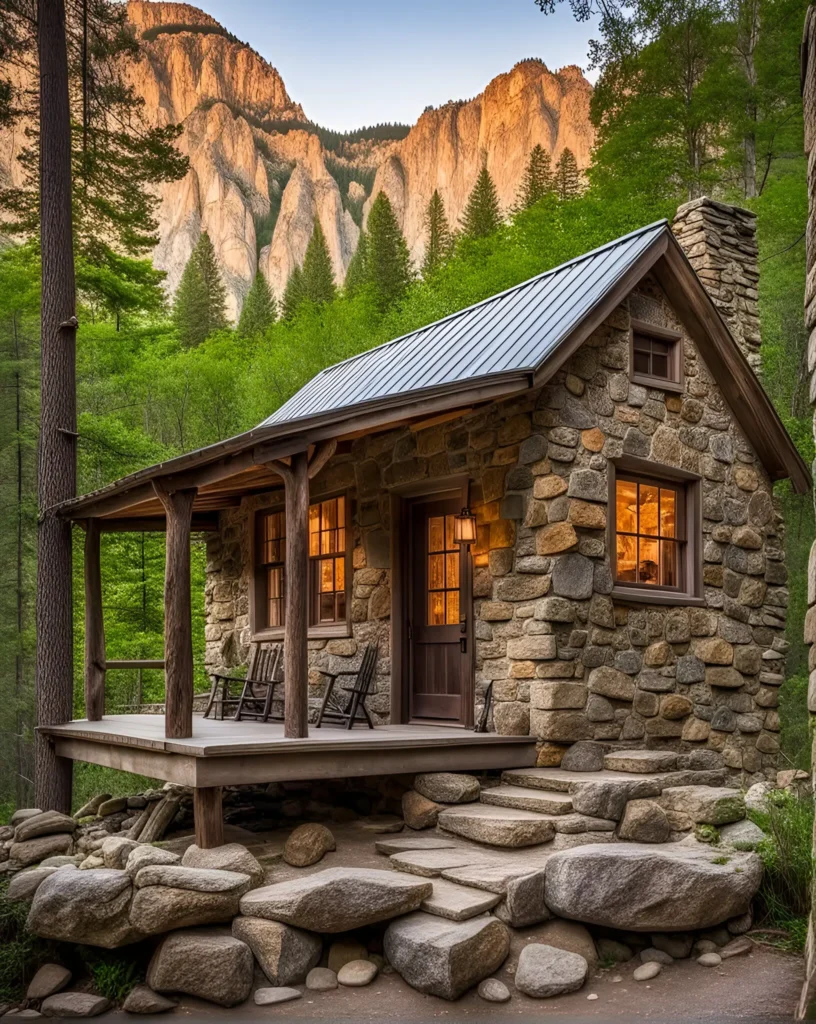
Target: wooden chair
[345,710]
[257,686]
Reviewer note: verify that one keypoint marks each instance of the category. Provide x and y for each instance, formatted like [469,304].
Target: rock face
[545,971]
[89,907]
[443,958]
[337,899]
[285,954]
[635,887]
[207,962]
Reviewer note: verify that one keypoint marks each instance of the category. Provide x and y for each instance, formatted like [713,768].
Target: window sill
[640,595]
[338,632]
[658,383]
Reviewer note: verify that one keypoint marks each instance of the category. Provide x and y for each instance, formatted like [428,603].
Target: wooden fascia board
[602,309]
[742,390]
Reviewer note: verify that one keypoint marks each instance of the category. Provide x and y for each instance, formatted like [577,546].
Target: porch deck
[223,753]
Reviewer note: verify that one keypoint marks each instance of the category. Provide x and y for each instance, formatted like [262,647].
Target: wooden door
[438,628]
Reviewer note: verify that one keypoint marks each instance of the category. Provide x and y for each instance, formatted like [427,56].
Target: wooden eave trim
[746,397]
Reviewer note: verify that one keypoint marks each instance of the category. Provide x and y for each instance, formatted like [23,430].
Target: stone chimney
[720,242]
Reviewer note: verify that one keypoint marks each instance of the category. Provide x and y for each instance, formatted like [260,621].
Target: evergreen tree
[567,178]
[259,310]
[387,260]
[439,240]
[358,267]
[538,179]
[294,294]
[482,214]
[200,303]
[318,275]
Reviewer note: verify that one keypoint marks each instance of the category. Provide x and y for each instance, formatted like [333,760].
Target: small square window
[656,356]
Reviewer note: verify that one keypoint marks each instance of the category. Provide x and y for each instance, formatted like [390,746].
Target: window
[656,357]
[444,555]
[655,533]
[328,567]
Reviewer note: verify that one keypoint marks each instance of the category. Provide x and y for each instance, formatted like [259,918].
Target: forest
[694,97]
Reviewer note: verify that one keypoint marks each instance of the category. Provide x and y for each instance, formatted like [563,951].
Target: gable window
[655,533]
[329,573]
[656,357]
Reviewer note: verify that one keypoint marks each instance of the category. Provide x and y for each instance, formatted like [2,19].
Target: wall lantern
[464,527]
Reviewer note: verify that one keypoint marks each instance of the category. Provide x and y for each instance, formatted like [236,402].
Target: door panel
[437,627]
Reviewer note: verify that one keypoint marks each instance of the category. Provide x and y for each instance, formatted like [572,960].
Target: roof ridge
[491,298]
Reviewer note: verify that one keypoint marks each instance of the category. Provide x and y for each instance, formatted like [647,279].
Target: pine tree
[387,260]
[538,180]
[482,214]
[294,294]
[356,274]
[567,178]
[318,274]
[260,309]
[439,240]
[200,304]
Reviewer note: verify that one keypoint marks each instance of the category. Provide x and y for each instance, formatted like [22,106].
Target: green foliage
[482,214]
[200,306]
[344,174]
[795,738]
[259,310]
[278,178]
[318,273]
[294,293]
[357,268]
[387,267]
[439,243]
[538,180]
[785,895]
[113,972]
[21,953]
[175,28]
[567,180]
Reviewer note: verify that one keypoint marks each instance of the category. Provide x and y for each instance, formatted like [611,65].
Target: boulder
[307,845]
[448,788]
[116,850]
[231,857]
[87,907]
[48,980]
[285,954]
[23,814]
[497,826]
[175,876]
[169,897]
[545,971]
[756,798]
[687,806]
[92,806]
[570,936]
[742,835]
[143,1000]
[584,756]
[445,958]
[208,963]
[112,806]
[338,899]
[656,956]
[24,884]
[32,851]
[357,973]
[321,979]
[639,887]
[607,798]
[145,854]
[644,821]
[48,823]
[74,1004]
[418,811]
[273,996]
[523,904]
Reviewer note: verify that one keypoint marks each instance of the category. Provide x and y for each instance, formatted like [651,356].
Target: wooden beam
[94,626]
[202,522]
[295,651]
[178,628]
[209,817]
[321,457]
[157,663]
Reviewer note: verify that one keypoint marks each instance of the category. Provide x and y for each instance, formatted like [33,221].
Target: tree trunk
[57,452]
[178,625]
[296,658]
[94,626]
[748,39]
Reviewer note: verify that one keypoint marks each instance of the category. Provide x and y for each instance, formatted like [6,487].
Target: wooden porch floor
[235,753]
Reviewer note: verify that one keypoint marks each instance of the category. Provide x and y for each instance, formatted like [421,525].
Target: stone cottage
[605,426]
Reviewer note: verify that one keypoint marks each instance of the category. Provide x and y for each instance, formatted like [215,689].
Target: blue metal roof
[514,331]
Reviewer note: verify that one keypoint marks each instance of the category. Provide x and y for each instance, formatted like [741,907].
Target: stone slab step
[497,826]
[431,863]
[458,902]
[496,877]
[641,761]
[526,799]
[557,780]
[415,842]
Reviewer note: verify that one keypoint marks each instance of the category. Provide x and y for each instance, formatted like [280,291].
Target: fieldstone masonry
[567,662]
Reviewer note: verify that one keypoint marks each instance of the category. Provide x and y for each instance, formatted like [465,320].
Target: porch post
[178,629]
[296,658]
[94,626]
[209,817]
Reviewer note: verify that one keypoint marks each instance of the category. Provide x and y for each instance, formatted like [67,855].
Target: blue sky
[359,62]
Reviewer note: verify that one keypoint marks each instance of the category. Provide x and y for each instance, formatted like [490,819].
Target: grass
[114,973]
[784,898]
[21,953]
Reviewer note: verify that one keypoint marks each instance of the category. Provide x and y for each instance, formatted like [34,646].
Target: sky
[360,62]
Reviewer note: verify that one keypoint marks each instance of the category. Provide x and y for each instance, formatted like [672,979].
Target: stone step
[404,843]
[558,780]
[458,902]
[641,761]
[526,799]
[431,863]
[497,826]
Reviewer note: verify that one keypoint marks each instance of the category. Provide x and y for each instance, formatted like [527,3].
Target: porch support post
[178,630]
[209,817]
[94,626]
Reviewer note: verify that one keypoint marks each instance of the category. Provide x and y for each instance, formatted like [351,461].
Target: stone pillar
[807,1002]
[720,242]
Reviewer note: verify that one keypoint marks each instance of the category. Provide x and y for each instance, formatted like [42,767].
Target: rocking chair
[345,710]
[257,687]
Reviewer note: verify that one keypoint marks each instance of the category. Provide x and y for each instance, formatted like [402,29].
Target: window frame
[257,591]
[675,382]
[690,560]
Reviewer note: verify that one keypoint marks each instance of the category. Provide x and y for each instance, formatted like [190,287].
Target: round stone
[647,971]
[357,974]
[656,956]
[709,960]
[307,845]
[545,971]
[494,991]
[321,979]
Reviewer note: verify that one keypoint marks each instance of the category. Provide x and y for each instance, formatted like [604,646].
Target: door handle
[463,625]
[463,644]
